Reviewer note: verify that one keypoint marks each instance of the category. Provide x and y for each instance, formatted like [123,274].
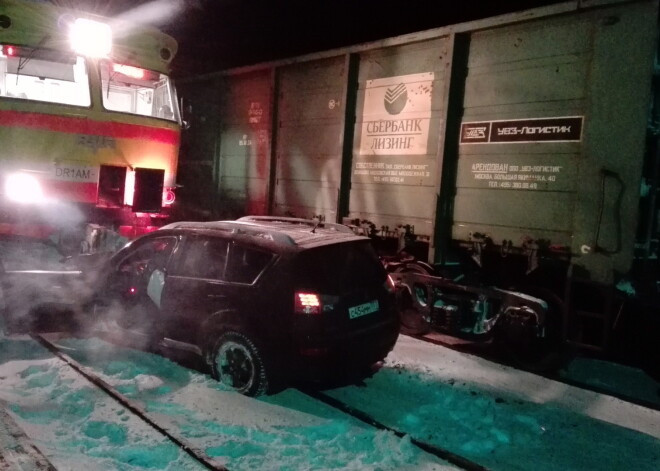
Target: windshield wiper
[22,61]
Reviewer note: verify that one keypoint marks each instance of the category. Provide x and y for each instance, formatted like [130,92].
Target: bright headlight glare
[129,192]
[23,188]
[90,38]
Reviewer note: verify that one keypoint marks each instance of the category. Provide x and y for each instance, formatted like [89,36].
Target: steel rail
[547,375]
[442,453]
[195,453]
[17,451]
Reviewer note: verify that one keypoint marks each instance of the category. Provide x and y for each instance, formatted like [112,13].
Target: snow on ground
[624,380]
[76,427]
[497,379]
[73,424]
[500,417]
[503,418]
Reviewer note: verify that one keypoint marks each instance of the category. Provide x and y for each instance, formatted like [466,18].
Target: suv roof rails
[303,222]
[236,227]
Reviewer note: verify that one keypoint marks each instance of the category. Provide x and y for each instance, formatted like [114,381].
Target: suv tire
[237,364]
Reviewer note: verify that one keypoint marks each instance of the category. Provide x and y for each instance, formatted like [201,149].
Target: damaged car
[263,301]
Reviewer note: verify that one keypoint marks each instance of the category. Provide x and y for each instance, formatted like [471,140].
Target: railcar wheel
[529,352]
[411,320]
[415,267]
[237,364]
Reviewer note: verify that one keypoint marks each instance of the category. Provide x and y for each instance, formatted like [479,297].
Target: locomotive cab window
[133,90]
[35,74]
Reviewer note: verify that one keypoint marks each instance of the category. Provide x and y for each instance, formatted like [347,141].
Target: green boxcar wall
[278,134]
[395,155]
[594,65]
[309,132]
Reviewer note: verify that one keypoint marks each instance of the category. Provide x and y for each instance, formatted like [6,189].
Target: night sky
[219,34]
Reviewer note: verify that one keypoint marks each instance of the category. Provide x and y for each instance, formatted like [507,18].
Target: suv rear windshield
[339,268]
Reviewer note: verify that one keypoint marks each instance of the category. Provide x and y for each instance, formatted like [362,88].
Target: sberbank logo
[396,98]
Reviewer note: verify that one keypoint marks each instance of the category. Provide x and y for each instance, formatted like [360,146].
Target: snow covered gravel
[500,417]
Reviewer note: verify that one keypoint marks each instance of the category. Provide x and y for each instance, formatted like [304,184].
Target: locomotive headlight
[129,185]
[90,38]
[23,188]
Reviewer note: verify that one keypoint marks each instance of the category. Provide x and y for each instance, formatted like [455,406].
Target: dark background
[219,34]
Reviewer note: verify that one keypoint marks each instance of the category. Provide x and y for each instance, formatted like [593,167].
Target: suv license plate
[363,309]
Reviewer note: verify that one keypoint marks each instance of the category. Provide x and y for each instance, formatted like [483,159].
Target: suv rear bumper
[344,357]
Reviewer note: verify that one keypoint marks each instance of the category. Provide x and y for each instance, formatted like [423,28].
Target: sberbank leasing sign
[396,115]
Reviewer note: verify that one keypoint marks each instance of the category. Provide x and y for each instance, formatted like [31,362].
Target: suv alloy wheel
[237,364]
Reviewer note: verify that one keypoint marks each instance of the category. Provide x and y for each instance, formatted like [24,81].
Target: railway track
[208,462]
[211,464]
[442,453]
[195,453]
[17,450]
[488,354]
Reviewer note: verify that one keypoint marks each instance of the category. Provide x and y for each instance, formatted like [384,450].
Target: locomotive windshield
[43,75]
[138,91]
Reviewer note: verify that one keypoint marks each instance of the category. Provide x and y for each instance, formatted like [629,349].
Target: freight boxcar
[515,151]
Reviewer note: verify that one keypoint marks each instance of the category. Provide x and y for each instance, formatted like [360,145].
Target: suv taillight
[307,303]
[390,286]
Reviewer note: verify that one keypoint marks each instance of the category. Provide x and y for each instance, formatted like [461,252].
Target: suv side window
[152,254]
[246,264]
[204,257]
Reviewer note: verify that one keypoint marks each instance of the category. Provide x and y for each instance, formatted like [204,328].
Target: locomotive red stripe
[82,192]
[75,125]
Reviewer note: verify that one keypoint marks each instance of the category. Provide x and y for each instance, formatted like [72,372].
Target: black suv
[265,301]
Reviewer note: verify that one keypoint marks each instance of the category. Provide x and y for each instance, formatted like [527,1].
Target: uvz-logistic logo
[475,132]
[562,129]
